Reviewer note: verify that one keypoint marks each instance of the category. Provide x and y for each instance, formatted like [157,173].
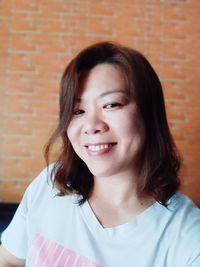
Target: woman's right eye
[78,112]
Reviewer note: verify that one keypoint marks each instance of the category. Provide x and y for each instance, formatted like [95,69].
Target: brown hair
[160,158]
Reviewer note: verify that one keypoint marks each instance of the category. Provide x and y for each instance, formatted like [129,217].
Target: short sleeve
[14,238]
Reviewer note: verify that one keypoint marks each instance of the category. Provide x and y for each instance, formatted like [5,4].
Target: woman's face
[106,130]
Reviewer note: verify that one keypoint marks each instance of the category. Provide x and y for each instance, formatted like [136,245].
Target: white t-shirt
[50,231]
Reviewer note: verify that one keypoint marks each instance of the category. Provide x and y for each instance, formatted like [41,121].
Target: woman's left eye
[112,105]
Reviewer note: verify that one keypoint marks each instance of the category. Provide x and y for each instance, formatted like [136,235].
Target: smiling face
[106,130]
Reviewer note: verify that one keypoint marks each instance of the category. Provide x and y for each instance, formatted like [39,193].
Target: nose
[95,125]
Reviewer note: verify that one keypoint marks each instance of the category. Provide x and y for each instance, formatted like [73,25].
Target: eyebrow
[118,91]
[112,92]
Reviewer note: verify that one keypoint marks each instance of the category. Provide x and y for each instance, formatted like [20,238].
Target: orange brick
[39,38]
[23,23]
[21,42]
[25,5]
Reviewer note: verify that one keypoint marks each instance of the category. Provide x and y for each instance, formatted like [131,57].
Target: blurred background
[39,37]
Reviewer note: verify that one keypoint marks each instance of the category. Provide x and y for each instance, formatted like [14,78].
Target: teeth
[99,147]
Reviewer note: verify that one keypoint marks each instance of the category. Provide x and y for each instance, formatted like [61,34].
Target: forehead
[103,79]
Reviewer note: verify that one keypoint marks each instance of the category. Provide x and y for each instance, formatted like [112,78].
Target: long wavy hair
[160,159]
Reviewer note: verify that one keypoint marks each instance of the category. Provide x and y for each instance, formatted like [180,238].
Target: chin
[103,172]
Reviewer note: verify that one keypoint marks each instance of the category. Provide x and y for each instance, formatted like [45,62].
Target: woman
[112,198]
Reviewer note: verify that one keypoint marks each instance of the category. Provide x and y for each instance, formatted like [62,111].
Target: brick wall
[37,40]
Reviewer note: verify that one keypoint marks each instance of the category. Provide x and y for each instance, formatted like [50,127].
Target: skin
[104,114]
[8,260]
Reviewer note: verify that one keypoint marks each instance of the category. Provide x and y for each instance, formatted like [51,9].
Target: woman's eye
[112,105]
[77,112]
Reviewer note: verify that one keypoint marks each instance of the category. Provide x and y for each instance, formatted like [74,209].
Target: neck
[122,187]
[114,199]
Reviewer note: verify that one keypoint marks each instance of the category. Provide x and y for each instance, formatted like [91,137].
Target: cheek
[130,126]
[138,126]
[72,131]
[74,135]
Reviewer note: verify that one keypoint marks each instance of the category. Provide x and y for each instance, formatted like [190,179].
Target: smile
[100,147]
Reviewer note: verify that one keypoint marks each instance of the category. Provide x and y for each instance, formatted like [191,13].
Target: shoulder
[186,214]
[181,216]
[43,178]
[41,184]
[42,189]
[185,222]
[185,208]
[44,175]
